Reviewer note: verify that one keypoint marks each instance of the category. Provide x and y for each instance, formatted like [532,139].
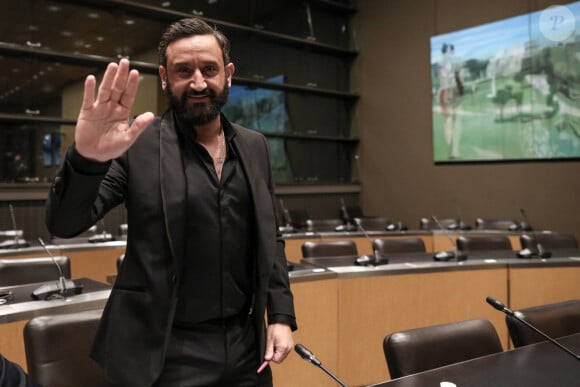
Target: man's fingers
[106,85]
[140,123]
[89,92]
[119,85]
[128,97]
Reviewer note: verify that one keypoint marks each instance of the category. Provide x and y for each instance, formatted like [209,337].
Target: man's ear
[163,77]
[230,68]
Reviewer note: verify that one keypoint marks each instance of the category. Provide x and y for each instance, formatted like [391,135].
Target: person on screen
[204,269]
[450,92]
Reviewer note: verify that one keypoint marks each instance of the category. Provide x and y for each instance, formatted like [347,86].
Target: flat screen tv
[508,90]
[263,110]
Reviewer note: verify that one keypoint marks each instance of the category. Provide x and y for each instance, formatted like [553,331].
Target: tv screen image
[264,110]
[509,89]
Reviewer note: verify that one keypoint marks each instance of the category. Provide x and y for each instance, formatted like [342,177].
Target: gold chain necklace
[221,156]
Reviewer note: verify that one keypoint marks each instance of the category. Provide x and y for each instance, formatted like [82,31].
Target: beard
[198,113]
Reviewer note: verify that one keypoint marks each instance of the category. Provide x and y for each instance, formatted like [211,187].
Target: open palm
[103,131]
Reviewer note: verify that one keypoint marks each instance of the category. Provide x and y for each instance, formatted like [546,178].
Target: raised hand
[103,132]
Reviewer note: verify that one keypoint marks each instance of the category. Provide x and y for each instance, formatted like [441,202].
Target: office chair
[415,350]
[349,213]
[549,241]
[446,223]
[83,237]
[57,350]
[18,271]
[312,249]
[483,243]
[377,223]
[400,245]
[496,224]
[123,230]
[296,219]
[323,225]
[120,260]
[556,320]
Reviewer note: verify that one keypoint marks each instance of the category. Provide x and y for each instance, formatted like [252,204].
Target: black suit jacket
[150,179]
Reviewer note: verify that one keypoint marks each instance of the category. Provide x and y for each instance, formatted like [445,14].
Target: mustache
[202,93]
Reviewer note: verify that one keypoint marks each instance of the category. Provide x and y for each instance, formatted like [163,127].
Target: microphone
[525,225]
[448,255]
[517,315]
[538,251]
[103,236]
[366,260]
[288,228]
[345,216]
[17,234]
[63,288]
[309,356]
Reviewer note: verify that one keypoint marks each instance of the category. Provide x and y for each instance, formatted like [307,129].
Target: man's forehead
[200,47]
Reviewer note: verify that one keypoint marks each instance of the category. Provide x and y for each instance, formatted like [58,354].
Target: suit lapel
[253,167]
[173,187]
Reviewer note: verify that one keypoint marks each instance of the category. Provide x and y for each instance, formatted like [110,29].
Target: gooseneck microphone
[531,252]
[287,228]
[448,255]
[309,356]
[17,235]
[525,225]
[369,260]
[63,288]
[502,308]
[347,226]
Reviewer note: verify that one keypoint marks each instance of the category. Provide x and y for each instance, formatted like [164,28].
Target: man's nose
[197,81]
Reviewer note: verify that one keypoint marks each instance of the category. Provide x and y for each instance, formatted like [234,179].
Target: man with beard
[204,267]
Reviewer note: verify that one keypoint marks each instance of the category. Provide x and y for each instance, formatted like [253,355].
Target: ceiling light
[129,22]
[53,8]
[166,4]
[93,15]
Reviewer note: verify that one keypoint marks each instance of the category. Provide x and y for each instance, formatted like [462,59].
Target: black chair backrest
[376,223]
[549,241]
[57,350]
[296,218]
[399,245]
[329,248]
[123,230]
[556,320]
[496,224]
[446,223]
[416,350]
[120,260]
[18,271]
[483,242]
[322,225]
[349,213]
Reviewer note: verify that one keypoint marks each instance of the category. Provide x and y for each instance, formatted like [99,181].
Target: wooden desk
[88,260]
[538,365]
[316,303]
[370,307]
[294,242]
[543,281]
[13,316]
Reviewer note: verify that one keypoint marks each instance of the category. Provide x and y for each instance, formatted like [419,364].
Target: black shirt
[219,265]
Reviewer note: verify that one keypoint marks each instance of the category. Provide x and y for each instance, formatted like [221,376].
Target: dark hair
[190,27]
